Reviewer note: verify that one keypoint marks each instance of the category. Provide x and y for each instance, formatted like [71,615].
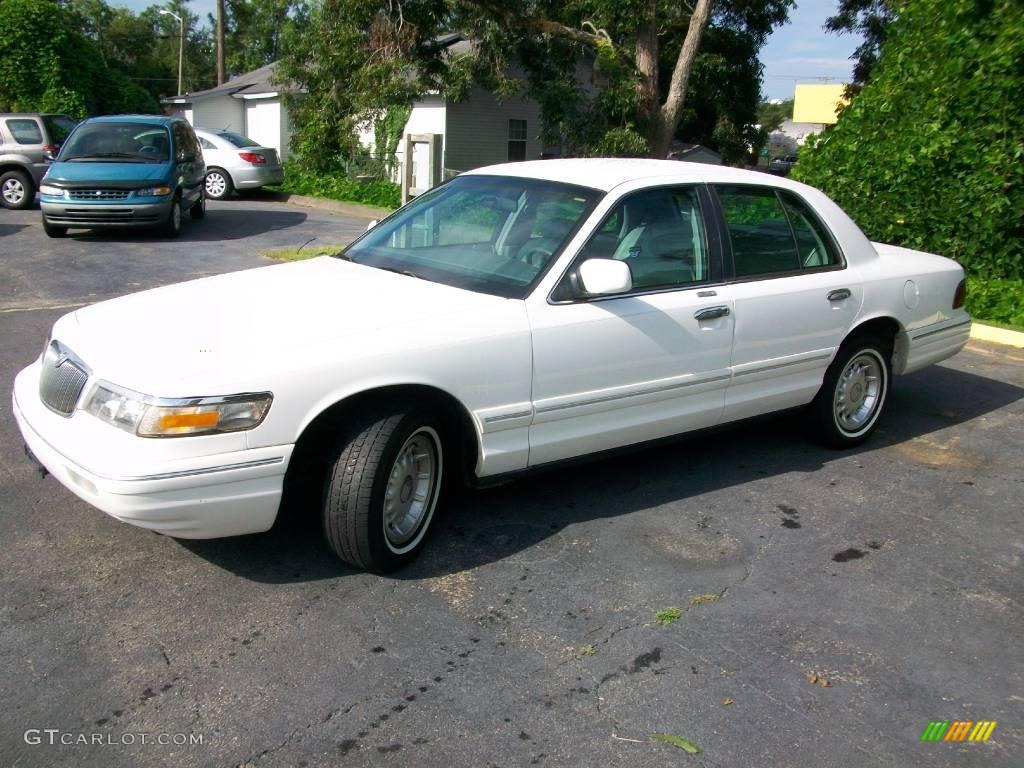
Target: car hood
[106,172]
[229,330]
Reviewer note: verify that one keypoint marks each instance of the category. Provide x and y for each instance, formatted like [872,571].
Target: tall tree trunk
[647,63]
[663,127]
[221,74]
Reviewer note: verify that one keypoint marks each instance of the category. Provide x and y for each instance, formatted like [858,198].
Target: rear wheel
[218,184]
[53,231]
[16,190]
[848,405]
[383,487]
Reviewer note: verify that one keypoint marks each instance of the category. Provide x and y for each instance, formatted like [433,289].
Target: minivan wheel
[383,487]
[16,190]
[173,226]
[218,184]
[198,209]
[848,405]
[52,231]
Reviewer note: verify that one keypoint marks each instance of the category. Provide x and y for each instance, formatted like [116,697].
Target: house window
[516,140]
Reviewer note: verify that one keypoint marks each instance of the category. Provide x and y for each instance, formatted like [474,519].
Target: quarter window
[25,131]
[659,234]
[812,241]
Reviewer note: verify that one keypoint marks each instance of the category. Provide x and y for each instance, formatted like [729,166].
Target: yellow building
[818,103]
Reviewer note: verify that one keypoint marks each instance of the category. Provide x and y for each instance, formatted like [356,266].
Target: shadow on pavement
[219,224]
[11,229]
[484,526]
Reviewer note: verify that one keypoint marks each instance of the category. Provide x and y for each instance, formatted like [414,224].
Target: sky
[799,52]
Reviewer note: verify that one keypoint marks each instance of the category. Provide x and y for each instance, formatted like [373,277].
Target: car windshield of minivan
[117,143]
[490,234]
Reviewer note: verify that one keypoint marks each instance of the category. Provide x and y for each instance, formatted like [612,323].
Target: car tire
[382,489]
[16,190]
[172,227]
[852,397]
[198,209]
[52,231]
[218,184]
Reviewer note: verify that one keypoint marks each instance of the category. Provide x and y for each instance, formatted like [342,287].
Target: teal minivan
[125,171]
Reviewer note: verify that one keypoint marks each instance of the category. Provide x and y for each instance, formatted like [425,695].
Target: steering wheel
[535,254]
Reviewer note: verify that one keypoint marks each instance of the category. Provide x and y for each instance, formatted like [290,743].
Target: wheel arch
[891,329]
[319,433]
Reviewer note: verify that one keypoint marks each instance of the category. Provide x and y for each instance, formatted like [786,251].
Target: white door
[619,370]
[794,299]
[263,122]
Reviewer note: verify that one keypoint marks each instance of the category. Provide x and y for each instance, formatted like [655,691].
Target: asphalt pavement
[830,604]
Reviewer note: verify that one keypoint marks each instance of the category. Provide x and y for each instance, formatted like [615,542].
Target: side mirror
[603,277]
[371,225]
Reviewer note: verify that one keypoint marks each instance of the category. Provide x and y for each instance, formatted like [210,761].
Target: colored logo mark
[958,730]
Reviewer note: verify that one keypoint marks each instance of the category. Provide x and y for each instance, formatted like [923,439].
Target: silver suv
[28,143]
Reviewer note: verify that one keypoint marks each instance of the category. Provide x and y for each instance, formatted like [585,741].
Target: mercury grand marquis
[514,317]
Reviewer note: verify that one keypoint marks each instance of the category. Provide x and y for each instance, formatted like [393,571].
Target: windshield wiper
[405,272]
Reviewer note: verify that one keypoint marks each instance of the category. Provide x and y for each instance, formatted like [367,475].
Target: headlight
[153,192]
[158,417]
[46,189]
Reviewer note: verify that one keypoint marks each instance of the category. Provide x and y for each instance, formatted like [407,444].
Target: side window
[762,241]
[659,234]
[812,240]
[25,131]
[205,143]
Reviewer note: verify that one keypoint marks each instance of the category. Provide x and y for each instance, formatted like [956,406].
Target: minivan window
[120,142]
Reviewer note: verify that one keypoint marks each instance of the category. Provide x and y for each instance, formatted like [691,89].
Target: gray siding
[476,129]
[221,112]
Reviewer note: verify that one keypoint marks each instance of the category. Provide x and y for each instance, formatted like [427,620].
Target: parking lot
[831,604]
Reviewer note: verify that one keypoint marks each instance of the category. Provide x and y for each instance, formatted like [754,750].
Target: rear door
[795,298]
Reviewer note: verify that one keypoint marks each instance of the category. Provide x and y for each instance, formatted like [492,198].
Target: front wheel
[383,487]
[853,394]
[173,226]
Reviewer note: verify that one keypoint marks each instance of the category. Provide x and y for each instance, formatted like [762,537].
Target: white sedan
[515,317]
[234,161]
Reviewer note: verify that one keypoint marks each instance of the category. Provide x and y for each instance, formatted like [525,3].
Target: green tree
[871,20]
[257,30]
[930,155]
[771,116]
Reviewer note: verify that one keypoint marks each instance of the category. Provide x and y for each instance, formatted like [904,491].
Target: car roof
[148,119]
[606,173]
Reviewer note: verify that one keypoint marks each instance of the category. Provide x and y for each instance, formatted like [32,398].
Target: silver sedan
[234,161]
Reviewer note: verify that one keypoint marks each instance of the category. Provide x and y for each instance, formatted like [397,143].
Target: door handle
[840,294]
[710,313]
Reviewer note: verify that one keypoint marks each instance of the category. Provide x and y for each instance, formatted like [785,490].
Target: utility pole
[181,43]
[221,73]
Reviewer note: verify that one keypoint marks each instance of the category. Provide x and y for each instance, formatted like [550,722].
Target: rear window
[59,127]
[25,131]
[238,139]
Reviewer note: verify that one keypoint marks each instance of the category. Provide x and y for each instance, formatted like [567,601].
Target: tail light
[961,294]
[252,157]
[50,151]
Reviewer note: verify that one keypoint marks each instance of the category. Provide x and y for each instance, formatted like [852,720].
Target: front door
[618,370]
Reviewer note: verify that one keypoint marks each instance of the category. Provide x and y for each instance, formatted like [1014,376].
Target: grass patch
[701,599]
[302,252]
[667,616]
[587,650]
[379,193]
[677,741]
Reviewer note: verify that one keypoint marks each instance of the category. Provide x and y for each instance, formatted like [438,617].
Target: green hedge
[1001,301]
[930,155]
[383,194]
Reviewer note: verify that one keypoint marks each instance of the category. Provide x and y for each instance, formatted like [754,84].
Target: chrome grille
[98,194]
[62,379]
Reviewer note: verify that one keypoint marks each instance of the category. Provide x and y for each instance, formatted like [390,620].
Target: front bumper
[190,497]
[96,215]
[252,176]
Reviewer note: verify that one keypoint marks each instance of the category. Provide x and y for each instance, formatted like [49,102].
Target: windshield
[237,139]
[491,234]
[117,143]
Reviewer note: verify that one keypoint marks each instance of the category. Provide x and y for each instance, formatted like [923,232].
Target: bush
[1001,301]
[931,154]
[299,181]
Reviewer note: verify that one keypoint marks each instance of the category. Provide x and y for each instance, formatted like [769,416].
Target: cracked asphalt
[527,633]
